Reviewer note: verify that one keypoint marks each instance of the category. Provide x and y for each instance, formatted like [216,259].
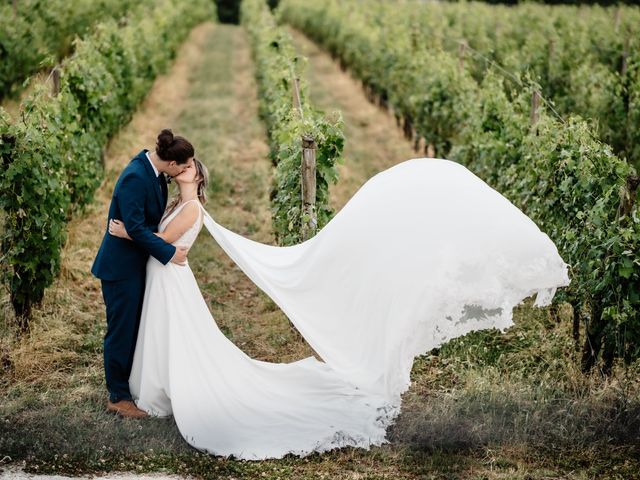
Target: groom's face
[176,169]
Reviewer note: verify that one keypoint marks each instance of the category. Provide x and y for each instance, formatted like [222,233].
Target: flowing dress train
[424,252]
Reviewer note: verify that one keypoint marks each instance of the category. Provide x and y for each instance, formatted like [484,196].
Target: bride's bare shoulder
[186,218]
[190,210]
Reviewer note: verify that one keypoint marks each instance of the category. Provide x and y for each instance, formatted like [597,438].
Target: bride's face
[188,175]
[179,169]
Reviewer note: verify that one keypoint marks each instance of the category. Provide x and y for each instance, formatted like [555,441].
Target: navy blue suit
[139,200]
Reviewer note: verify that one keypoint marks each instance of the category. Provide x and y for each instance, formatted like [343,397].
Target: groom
[139,200]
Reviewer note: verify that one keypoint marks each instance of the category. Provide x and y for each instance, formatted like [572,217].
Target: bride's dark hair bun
[173,147]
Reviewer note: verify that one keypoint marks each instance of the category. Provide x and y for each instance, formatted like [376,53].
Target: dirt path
[221,118]
[19,474]
[373,141]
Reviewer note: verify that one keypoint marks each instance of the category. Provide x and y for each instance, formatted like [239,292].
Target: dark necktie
[163,186]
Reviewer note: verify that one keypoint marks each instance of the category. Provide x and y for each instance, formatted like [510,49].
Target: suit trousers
[123,301]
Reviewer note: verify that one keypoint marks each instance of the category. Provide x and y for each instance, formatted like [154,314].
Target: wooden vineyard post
[407,128]
[415,35]
[15,8]
[617,20]
[628,196]
[296,95]
[625,54]
[551,51]
[309,219]
[55,77]
[430,150]
[417,143]
[461,53]
[535,104]
[307,170]
[382,101]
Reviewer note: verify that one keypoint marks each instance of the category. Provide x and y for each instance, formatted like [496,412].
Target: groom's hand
[180,257]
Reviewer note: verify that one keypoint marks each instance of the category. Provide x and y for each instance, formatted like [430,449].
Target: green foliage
[35,200]
[51,157]
[571,185]
[276,64]
[567,181]
[575,55]
[38,32]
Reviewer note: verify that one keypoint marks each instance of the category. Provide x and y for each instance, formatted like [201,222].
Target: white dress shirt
[152,165]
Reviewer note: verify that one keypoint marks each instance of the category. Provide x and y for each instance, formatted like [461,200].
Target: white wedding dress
[424,252]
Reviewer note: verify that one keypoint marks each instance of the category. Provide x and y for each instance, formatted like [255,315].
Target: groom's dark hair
[173,147]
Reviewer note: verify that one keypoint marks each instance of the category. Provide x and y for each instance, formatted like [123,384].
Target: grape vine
[51,157]
[277,64]
[571,184]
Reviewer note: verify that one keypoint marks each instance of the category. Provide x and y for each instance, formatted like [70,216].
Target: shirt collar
[152,165]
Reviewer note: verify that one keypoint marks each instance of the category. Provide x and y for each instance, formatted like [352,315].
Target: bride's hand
[116,228]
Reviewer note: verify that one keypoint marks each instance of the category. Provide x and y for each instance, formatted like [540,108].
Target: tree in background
[229,10]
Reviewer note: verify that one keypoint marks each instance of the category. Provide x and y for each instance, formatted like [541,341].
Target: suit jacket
[139,201]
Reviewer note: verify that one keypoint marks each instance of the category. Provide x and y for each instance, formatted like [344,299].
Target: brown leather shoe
[126,408]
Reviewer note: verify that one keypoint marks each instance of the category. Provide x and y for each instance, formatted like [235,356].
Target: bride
[424,252]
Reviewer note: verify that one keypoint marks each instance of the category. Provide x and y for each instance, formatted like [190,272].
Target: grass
[484,406]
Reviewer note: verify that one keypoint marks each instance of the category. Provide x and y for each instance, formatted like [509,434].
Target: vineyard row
[35,34]
[52,156]
[293,125]
[572,185]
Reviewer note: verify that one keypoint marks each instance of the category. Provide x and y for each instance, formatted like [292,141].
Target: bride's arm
[182,222]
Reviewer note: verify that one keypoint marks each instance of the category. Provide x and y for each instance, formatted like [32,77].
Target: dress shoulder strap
[188,201]
[177,209]
[200,217]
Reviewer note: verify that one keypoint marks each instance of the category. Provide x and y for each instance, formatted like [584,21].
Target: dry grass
[523,387]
